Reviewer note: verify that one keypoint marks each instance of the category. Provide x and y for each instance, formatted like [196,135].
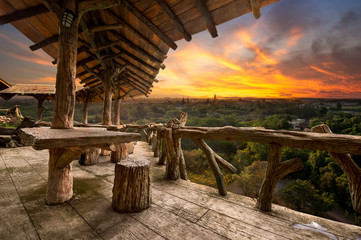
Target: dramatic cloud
[297,48]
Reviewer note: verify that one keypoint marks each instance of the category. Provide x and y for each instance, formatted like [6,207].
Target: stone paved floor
[180,209]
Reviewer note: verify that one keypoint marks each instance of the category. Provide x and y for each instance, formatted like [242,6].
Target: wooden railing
[166,143]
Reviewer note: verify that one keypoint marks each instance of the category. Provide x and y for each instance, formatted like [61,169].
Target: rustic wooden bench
[66,145]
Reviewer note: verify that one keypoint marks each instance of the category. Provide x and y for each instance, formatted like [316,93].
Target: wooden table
[65,145]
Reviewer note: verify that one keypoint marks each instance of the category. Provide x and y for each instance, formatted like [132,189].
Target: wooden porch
[179,210]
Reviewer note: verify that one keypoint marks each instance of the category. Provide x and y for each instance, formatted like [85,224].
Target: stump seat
[131,190]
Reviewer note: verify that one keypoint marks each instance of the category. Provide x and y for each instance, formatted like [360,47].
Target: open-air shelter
[117,47]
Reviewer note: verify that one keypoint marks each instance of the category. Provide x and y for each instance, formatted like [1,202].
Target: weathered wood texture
[90,156]
[60,180]
[44,138]
[131,191]
[349,167]
[180,209]
[120,152]
[338,143]
[66,73]
[213,164]
[85,112]
[275,171]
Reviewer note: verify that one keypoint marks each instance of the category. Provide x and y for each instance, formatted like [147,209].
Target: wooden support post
[121,153]
[163,152]
[85,112]
[131,191]
[349,167]
[41,100]
[154,144]
[116,114]
[60,180]
[107,111]
[213,164]
[66,73]
[172,165]
[275,171]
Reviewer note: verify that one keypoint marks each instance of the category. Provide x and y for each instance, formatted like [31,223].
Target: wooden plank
[44,138]
[207,18]
[25,13]
[174,18]
[338,143]
[149,24]
[171,226]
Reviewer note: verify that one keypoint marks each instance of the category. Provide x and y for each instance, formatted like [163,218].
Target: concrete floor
[180,209]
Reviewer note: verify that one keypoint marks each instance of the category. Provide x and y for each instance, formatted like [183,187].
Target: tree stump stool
[120,153]
[130,147]
[90,156]
[131,191]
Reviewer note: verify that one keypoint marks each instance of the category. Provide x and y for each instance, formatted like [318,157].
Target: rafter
[93,73]
[140,51]
[207,17]
[256,8]
[91,42]
[149,24]
[136,34]
[174,18]
[22,14]
[135,58]
[106,27]
[137,69]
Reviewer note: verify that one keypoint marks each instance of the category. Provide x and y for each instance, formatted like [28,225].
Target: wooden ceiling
[133,36]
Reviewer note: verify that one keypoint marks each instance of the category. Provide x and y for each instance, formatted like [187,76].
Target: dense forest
[320,187]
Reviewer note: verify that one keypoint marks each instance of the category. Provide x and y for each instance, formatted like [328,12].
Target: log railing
[166,144]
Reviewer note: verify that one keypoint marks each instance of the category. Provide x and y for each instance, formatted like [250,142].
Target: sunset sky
[307,48]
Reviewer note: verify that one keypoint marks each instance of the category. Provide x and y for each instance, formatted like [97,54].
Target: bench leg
[60,180]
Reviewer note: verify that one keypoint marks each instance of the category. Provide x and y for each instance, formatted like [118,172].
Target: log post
[60,180]
[213,164]
[85,111]
[172,164]
[275,171]
[178,147]
[107,104]
[163,152]
[155,148]
[349,167]
[116,116]
[41,100]
[121,153]
[131,191]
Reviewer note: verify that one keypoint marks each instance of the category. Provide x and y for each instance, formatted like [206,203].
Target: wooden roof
[135,35]
[4,84]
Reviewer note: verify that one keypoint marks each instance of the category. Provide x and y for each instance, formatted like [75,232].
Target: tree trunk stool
[130,147]
[90,156]
[131,191]
[120,153]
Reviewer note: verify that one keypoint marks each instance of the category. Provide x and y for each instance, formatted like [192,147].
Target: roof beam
[138,79]
[85,72]
[106,27]
[22,14]
[141,51]
[135,58]
[137,69]
[135,81]
[256,8]
[139,89]
[89,70]
[92,43]
[207,17]
[44,43]
[174,18]
[136,34]
[149,24]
